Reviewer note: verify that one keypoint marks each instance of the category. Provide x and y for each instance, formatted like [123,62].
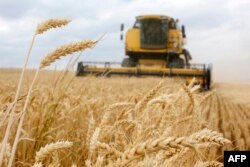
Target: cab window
[137,24]
[172,24]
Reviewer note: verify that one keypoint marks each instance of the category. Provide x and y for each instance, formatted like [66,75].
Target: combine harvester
[154,47]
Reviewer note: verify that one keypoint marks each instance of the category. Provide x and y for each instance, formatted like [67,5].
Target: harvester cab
[156,40]
[153,46]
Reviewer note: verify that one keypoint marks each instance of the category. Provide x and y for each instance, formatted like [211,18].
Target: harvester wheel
[208,80]
[79,69]
[128,62]
[177,62]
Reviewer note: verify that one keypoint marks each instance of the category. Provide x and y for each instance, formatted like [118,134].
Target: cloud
[217,31]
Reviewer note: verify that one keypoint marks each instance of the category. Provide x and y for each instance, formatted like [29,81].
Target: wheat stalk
[51,23]
[12,110]
[65,50]
[6,155]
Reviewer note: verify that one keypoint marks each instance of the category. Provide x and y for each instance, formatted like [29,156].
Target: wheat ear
[51,23]
[143,103]
[65,50]
[203,136]
[154,146]
[49,148]
[210,136]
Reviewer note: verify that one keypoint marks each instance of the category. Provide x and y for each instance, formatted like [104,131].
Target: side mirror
[122,28]
[183,31]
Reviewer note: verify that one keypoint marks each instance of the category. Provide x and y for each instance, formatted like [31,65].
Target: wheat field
[52,118]
[122,121]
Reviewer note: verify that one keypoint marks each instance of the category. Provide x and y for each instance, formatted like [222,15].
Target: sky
[217,31]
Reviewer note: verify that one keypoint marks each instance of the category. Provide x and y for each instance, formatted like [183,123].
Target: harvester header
[153,46]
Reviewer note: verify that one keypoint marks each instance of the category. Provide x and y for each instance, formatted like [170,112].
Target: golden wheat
[52,147]
[6,155]
[51,23]
[101,118]
[65,50]
[143,103]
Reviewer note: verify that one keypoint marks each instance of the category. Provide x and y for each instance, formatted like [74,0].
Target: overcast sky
[218,32]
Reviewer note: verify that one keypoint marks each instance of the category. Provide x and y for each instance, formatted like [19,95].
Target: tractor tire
[177,62]
[128,62]
[80,69]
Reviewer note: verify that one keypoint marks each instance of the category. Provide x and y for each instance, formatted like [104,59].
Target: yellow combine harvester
[154,46]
